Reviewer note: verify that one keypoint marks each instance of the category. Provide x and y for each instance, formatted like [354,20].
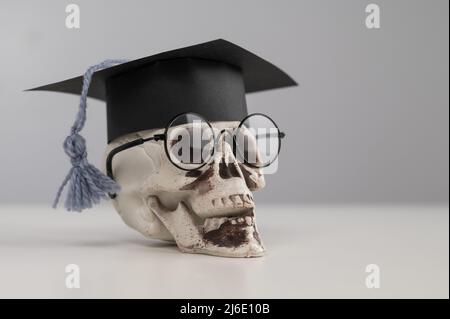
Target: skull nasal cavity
[228,170]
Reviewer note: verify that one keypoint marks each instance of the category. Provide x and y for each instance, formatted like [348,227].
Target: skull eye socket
[189,141]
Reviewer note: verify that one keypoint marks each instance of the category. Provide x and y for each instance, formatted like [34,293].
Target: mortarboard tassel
[87,184]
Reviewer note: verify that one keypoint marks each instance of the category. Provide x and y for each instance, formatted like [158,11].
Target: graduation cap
[210,79]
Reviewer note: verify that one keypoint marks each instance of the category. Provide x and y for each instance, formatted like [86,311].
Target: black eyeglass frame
[162,137]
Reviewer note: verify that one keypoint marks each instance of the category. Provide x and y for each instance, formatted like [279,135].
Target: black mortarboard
[210,79]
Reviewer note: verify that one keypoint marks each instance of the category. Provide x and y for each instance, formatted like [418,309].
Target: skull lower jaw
[233,236]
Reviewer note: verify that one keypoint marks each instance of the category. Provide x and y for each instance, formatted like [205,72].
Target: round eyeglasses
[190,142]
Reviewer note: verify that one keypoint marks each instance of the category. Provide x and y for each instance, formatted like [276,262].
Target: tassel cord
[87,184]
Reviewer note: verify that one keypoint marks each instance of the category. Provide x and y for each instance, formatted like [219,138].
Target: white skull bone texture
[209,210]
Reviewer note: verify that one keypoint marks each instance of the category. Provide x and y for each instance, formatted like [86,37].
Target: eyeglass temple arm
[124,147]
[280,135]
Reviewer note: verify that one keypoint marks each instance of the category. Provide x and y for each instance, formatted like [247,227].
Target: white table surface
[313,252]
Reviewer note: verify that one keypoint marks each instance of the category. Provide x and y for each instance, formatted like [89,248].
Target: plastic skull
[210,210]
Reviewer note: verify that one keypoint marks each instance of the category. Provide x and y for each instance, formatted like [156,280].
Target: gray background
[368,124]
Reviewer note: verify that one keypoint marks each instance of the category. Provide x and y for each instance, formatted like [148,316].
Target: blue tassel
[87,184]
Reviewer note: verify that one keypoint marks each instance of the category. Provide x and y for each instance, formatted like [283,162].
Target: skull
[209,210]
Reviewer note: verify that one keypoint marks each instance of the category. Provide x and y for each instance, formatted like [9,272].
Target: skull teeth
[226,201]
[235,200]
[247,198]
[215,222]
